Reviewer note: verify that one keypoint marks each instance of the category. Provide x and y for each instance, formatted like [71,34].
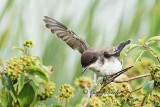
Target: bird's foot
[105,79]
[93,90]
[88,93]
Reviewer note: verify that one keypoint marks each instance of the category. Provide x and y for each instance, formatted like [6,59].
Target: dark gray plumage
[68,36]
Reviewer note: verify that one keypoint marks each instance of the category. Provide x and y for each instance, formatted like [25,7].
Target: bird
[104,63]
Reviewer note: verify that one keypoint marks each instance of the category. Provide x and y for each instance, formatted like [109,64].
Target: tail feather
[111,51]
[122,45]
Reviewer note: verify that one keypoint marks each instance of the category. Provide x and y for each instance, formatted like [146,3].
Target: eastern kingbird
[104,63]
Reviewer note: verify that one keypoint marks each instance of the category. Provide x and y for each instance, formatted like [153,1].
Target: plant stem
[136,89]
[66,102]
[144,100]
[133,78]
[127,80]
[150,50]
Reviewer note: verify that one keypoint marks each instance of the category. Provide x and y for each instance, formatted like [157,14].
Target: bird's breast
[107,67]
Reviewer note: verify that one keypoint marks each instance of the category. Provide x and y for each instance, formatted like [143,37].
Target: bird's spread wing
[68,36]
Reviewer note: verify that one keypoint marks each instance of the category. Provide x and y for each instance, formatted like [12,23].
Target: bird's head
[88,57]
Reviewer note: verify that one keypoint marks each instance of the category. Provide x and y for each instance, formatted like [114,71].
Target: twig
[136,89]
[116,81]
[150,50]
[133,78]
[112,79]
[107,82]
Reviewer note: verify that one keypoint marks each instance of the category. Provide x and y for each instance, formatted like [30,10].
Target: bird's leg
[95,80]
[88,93]
[105,79]
[94,83]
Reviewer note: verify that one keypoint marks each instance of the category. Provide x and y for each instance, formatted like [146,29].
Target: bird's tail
[122,45]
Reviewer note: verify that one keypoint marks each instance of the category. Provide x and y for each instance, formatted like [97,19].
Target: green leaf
[18,48]
[20,82]
[137,55]
[155,38]
[147,88]
[142,40]
[5,98]
[39,59]
[156,50]
[128,48]
[41,69]
[27,95]
[44,70]
[6,81]
[36,74]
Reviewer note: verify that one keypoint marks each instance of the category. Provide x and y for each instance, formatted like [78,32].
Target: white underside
[110,66]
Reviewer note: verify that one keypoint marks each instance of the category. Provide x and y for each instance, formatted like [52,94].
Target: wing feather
[68,36]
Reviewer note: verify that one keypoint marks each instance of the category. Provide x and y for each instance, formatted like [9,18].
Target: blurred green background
[101,22]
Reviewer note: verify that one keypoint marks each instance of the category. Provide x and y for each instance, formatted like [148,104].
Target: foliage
[122,94]
[102,23]
[25,80]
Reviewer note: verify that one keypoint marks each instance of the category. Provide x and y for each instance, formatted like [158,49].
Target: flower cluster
[109,87]
[135,101]
[28,44]
[47,92]
[124,90]
[109,100]
[84,82]
[66,92]
[15,65]
[95,102]
[154,98]
[155,73]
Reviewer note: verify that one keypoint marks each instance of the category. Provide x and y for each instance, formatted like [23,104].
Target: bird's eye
[93,59]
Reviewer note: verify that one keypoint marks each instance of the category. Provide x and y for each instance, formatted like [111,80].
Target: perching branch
[118,81]
[133,78]
[108,81]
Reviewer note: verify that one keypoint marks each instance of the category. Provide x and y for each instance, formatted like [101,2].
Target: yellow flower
[66,91]
[84,82]
[95,102]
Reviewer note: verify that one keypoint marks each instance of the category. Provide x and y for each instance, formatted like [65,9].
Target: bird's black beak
[84,69]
